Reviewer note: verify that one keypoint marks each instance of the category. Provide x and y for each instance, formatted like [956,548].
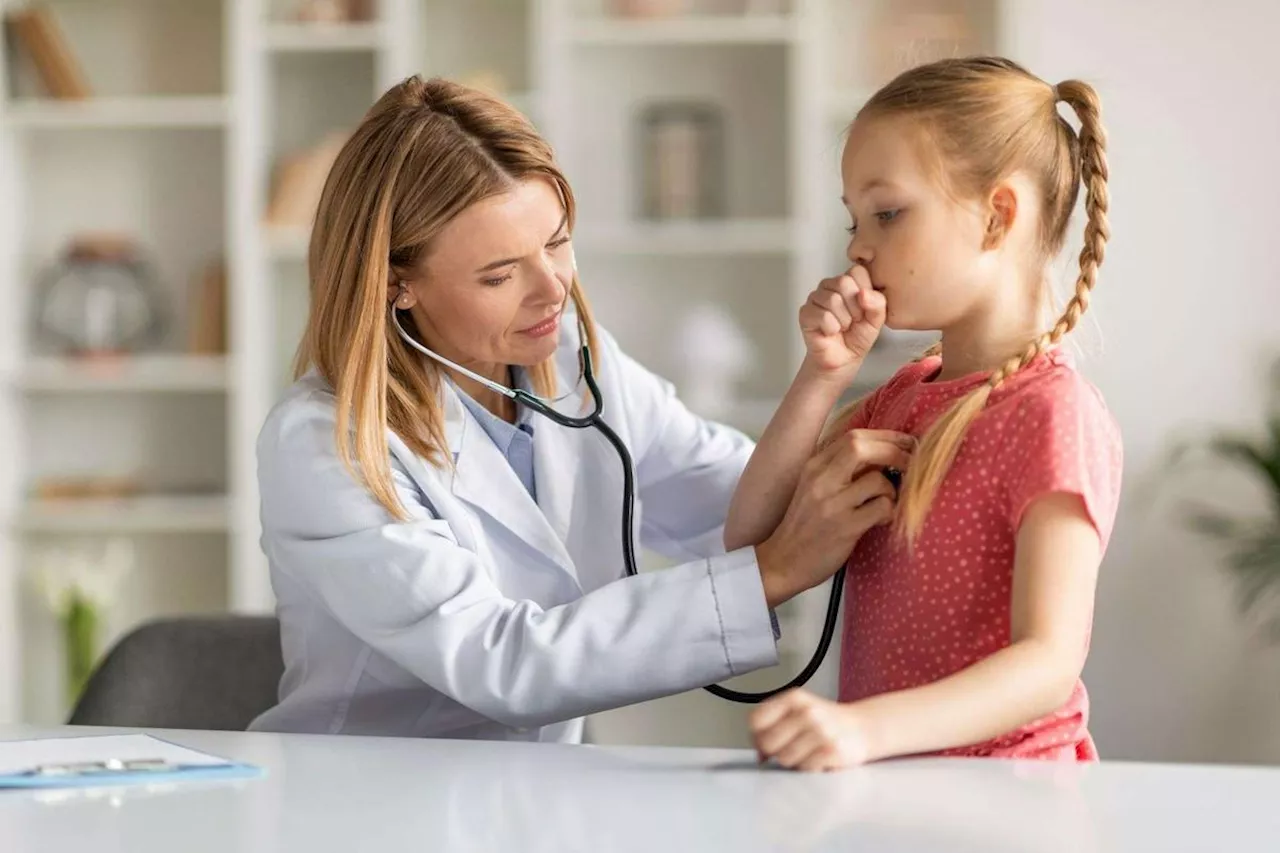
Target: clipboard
[110,760]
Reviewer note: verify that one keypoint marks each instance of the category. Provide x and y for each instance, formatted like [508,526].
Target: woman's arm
[410,591]
[1055,573]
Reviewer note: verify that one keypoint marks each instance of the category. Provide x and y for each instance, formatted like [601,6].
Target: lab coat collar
[484,479]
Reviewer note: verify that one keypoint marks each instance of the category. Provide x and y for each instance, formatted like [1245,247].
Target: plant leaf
[1262,459]
[1256,566]
[1214,524]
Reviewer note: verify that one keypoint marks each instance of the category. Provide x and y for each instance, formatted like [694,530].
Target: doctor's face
[492,288]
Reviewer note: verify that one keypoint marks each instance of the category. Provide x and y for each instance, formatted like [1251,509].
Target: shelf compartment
[141,514]
[152,373]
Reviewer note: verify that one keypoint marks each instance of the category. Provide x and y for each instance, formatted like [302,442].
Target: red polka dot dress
[914,618]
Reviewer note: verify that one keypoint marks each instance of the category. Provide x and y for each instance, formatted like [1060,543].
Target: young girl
[967,619]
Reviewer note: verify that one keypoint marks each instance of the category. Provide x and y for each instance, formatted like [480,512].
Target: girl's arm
[840,322]
[769,479]
[1055,573]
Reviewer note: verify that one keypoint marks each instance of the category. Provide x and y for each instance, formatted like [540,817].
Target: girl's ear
[1002,212]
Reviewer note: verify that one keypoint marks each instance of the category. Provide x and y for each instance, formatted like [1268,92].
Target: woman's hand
[841,495]
[840,322]
[803,731]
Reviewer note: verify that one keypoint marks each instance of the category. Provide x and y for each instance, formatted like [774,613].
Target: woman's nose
[552,280]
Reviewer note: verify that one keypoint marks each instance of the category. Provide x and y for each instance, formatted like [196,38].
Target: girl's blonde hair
[989,118]
[426,151]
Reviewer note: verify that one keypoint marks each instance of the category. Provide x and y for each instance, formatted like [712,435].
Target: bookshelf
[195,108]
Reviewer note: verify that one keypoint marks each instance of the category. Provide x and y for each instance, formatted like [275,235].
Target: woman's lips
[544,328]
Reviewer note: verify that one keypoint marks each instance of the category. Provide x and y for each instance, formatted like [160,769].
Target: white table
[345,794]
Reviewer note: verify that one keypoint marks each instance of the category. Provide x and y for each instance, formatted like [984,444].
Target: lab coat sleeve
[411,592]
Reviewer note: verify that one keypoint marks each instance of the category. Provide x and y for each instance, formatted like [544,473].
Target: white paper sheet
[22,755]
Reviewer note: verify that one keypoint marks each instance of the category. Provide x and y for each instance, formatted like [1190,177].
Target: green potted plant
[1252,541]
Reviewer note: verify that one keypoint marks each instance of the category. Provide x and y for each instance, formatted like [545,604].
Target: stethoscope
[544,408]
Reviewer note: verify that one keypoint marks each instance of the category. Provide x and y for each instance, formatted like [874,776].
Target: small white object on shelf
[142,111]
[716,354]
[323,37]
[160,513]
[159,372]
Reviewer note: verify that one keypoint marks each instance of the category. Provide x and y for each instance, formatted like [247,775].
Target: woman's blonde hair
[988,118]
[426,151]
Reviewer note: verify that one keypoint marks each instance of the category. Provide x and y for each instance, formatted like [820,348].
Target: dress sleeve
[1061,438]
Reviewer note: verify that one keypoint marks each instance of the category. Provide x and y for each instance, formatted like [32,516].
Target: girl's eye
[887,215]
[494,282]
[851,230]
[556,244]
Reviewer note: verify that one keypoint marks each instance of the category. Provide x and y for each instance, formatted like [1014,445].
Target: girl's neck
[992,334]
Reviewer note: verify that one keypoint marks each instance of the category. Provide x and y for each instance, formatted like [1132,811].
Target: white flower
[61,573]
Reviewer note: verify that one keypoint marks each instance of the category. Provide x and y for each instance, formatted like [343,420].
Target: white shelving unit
[150,155]
[195,105]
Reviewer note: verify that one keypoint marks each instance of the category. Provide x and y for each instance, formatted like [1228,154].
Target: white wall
[1188,306]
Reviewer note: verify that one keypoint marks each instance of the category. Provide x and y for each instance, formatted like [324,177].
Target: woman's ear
[1002,212]
[399,295]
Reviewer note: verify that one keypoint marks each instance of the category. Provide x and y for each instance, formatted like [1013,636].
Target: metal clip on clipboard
[110,765]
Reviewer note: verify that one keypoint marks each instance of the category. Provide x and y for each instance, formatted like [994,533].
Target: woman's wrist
[771,579]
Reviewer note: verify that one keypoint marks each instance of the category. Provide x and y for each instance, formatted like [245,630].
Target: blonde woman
[446,563]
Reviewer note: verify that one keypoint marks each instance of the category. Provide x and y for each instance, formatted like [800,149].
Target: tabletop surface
[324,794]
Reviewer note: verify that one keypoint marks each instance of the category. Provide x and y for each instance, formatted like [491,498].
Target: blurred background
[160,161]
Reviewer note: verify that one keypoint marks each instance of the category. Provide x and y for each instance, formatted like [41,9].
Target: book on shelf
[207,333]
[36,31]
[335,11]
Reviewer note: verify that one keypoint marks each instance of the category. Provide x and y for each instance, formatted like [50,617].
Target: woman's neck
[500,405]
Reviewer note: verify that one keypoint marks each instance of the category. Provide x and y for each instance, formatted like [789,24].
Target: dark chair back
[189,673]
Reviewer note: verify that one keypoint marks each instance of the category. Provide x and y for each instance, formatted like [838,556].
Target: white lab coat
[487,615]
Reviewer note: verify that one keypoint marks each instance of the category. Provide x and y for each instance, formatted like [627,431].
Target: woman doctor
[447,564]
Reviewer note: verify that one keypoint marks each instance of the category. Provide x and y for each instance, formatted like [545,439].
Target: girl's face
[491,290]
[925,250]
